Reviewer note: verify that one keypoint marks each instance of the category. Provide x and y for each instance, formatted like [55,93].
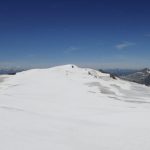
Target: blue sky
[98,34]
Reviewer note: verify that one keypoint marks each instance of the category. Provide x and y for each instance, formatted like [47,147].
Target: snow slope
[71,108]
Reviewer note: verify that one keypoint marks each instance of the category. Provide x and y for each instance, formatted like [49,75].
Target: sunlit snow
[72,108]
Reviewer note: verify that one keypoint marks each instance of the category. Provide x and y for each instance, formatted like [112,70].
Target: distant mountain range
[142,77]
[138,76]
[10,71]
[119,72]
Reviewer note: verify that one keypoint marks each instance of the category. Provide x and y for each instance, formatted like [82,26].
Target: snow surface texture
[71,108]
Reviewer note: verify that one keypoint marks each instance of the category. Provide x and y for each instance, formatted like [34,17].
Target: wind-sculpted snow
[72,108]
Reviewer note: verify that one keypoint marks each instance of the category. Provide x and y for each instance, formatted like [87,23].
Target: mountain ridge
[66,107]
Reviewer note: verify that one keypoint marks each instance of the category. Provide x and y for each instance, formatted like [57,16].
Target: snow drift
[72,108]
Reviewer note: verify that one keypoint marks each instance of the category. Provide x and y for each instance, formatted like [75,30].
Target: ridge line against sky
[97,34]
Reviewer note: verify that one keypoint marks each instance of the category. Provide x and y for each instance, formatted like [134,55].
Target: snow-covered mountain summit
[67,107]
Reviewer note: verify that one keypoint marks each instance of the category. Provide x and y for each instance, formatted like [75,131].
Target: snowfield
[72,108]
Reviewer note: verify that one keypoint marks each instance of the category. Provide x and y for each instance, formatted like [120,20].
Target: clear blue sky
[99,34]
